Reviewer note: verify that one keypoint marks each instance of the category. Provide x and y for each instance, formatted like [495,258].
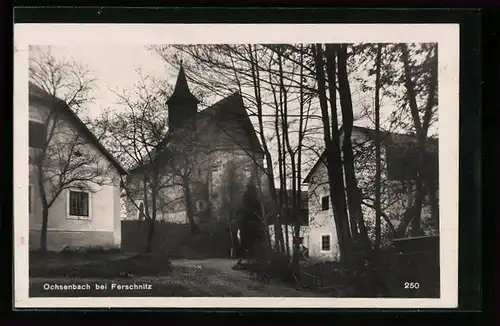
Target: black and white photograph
[236,165]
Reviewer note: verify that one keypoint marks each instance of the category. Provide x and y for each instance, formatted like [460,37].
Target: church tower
[182,104]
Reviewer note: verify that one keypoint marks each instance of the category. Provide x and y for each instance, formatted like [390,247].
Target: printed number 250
[412,285]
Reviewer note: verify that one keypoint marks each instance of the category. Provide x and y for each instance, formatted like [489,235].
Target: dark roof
[233,109]
[181,90]
[395,143]
[228,109]
[38,94]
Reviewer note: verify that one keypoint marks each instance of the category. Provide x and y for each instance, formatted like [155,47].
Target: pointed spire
[181,89]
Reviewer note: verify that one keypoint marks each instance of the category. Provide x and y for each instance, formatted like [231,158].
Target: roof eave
[44,96]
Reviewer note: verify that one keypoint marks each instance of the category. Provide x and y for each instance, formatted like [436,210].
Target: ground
[180,277]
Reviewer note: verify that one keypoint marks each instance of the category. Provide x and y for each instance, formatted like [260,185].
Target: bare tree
[386,75]
[135,135]
[66,155]
[422,116]
[378,157]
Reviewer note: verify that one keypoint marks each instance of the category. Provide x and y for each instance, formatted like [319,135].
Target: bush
[268,264]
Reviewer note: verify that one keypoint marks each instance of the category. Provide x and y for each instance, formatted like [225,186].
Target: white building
[398,176]
[85,208]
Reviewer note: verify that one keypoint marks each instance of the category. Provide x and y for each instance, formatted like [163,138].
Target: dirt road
[218,274]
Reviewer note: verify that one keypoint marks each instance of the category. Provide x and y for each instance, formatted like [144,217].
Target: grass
[97,265]
[382,276]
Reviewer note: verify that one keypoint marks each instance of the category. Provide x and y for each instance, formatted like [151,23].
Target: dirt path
[219,273]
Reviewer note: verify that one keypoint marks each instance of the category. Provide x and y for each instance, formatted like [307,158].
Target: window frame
[68,210]
[329,235]
[327,203]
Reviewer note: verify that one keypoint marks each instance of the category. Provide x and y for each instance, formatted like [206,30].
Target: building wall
[212,160]
[101,228]
[321,222]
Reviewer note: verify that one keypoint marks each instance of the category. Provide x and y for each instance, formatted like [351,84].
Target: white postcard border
[447,37]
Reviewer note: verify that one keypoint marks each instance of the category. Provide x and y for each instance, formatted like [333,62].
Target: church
[209,156]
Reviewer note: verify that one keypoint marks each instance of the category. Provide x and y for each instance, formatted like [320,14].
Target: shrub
[269,264]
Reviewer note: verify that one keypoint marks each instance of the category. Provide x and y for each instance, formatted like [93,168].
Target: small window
[78,203]
[325,203]
[325,242]
[36,134]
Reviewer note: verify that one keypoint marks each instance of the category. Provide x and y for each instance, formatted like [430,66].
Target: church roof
[233,109]
[181,90]
[230,109]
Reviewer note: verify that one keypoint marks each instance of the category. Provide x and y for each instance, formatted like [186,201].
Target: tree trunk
[45,205]
[378,158]
[188,200]
[232,253]
[278,234]
[152,216]
[43,232]
[281,169]
[353,193]
[334,161]
[298,177]
[151,230]
[407,215]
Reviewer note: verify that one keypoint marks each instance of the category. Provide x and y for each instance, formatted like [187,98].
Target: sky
[114,67]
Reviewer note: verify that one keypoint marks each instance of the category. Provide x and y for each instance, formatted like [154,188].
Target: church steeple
[182,104]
